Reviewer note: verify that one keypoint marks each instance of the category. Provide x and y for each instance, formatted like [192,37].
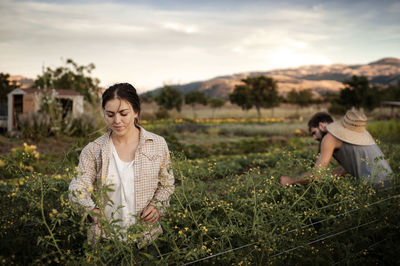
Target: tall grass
[388,131]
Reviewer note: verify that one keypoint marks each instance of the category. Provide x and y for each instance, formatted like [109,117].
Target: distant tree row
[359,93]
[262,92]
[258,92]
[170,98]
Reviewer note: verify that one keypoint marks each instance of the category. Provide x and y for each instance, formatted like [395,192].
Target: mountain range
[321,79]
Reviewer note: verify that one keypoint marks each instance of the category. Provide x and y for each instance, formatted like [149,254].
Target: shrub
[337,109]
[162,113]
[388,131]
[21,161]
[82,125]
[35,125]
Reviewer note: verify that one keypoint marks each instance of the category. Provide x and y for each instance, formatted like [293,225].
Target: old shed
[23,101]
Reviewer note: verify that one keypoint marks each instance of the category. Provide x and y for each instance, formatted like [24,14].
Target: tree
[147,97]
[169,98]
[195,97]
[71,77]
[258,91]
[391,93]
[291,97]
[358,93]
[215,103]
[6,86]
[301,98]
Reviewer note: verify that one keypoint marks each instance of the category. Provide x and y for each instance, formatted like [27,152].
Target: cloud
[178,27]
[149,42]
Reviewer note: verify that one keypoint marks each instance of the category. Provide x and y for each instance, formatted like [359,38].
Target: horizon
[231,74]
[151,43]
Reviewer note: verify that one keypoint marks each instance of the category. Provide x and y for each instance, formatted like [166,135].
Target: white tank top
[121,178]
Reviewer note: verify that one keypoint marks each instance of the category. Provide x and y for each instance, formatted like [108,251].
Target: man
[348,141]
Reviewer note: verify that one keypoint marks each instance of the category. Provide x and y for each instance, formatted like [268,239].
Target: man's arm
[328,145]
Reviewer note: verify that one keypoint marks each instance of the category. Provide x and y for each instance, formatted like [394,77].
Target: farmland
[227,208]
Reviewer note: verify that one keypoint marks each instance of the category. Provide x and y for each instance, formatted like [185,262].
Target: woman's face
[120,116]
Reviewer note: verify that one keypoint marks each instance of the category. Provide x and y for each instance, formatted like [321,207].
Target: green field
[228,207]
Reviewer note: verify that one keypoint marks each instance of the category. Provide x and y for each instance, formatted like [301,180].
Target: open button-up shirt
[153,182]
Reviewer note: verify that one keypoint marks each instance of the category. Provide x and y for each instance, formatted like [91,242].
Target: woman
[133,162]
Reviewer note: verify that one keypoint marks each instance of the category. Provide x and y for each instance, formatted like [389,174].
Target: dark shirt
[363,161]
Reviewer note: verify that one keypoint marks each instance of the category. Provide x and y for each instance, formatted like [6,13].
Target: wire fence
[308,225]
[285,251]
[322,237]
[302,227]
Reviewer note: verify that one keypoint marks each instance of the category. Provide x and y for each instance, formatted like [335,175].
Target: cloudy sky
[156,42]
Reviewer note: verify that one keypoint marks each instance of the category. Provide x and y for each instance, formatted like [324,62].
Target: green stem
[44,217]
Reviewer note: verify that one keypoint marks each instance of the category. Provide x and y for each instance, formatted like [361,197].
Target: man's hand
[285,181]
[150,214]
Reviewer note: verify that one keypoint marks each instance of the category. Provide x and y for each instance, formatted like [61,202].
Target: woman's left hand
[150,214]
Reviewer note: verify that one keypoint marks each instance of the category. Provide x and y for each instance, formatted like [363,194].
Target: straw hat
[351,129]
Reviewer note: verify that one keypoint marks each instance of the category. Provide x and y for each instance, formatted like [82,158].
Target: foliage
[215,103]
[388,131]
[80,126]
[40,125]
[147,97]
[260,92]
[169,98]
[35,125]
[6,86]
[301,98]
[337,109]
[392,93]
[71,77]
[19,162]
[359,93]
[227,209]
[247,217]
[195,97]
[162,113]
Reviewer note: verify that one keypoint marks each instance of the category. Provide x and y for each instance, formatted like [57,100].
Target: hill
[321,79]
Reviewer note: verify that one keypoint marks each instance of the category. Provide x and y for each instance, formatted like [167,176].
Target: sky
[157,42]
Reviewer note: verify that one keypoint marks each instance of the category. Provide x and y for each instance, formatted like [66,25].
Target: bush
[388,131]
[35,125]
[21,161]
[162,113]
[337,109]
[79,126]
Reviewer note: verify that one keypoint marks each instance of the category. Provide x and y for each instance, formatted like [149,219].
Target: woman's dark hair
[319,117]
[123,91]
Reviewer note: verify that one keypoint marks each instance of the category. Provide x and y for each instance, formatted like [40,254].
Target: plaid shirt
[154,180]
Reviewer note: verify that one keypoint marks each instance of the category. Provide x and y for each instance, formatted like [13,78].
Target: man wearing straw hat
[348,141]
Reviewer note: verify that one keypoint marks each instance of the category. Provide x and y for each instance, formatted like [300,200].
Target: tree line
[255,92]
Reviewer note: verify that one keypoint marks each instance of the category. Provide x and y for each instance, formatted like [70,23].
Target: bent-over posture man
[348,141]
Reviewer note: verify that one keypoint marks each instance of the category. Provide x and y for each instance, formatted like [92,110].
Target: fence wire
[305,226]
[286,251]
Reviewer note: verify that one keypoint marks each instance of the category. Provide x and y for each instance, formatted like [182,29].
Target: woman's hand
[150,214]
[96,220]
